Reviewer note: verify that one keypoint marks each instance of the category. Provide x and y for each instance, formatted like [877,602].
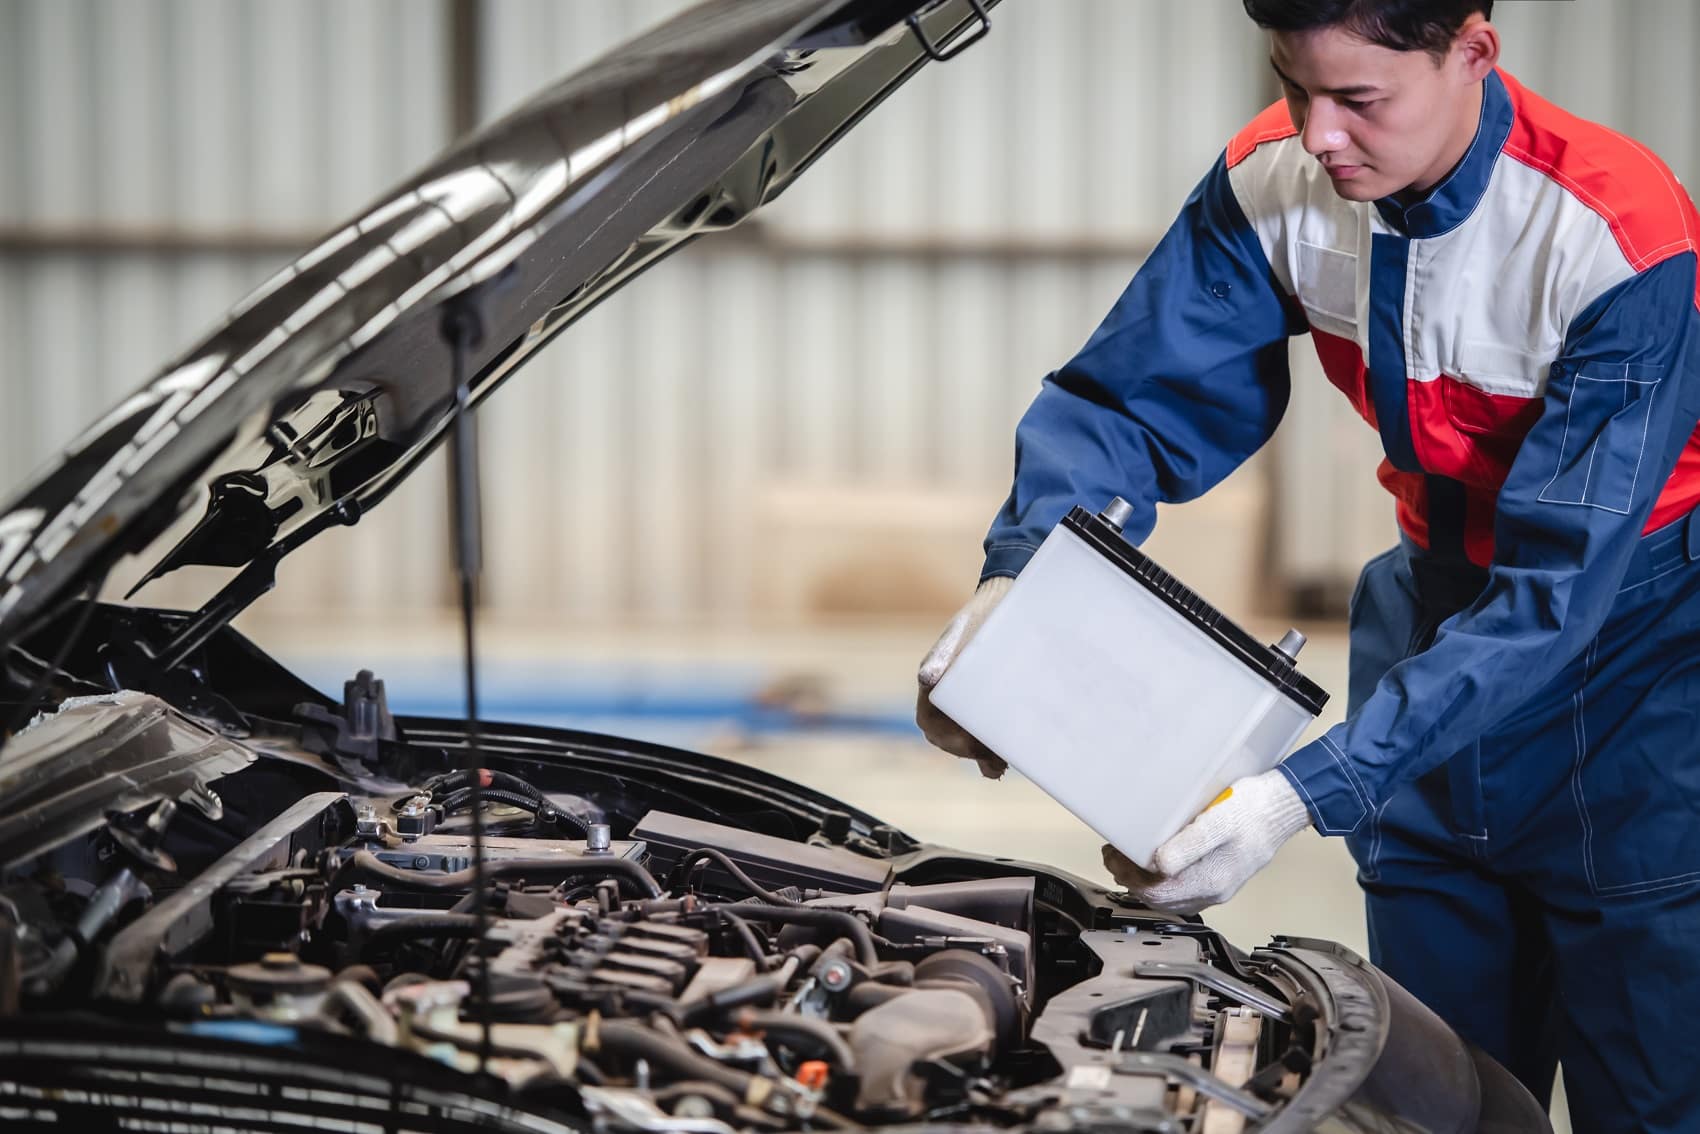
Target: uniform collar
[1450,203]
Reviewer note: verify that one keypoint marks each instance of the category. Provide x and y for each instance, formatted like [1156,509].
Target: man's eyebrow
[1344,92]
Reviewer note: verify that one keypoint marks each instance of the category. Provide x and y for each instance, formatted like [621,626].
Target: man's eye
[1358,104]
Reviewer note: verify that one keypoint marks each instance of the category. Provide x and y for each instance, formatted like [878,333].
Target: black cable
[847,924]
[542,810]
[640,880]
[721,860]
[462,800]
[461,780]
[752,944]
[449,925]
[763,989]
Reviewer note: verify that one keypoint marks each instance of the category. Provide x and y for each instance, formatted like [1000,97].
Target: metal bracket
[1217,981]
[943,51]
[1178,1069]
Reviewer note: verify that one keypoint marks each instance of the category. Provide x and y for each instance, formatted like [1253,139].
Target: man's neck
[1453,156]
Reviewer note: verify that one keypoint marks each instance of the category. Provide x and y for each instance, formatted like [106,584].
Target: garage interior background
[733,506]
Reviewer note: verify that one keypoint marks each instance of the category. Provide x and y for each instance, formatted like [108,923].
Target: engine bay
[636,965]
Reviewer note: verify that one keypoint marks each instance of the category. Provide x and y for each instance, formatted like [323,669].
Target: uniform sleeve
[1621,402]
[1184,379]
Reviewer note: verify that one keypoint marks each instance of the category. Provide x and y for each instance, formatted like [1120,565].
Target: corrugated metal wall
[874,346]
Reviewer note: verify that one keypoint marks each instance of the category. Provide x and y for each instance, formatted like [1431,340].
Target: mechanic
[1507,293]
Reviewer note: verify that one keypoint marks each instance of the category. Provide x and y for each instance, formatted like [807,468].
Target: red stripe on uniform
[1410,491]
[1682,490]
[1618,178]
[1272,125]
[1343,362]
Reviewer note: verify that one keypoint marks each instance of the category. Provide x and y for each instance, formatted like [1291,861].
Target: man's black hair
[1403,25]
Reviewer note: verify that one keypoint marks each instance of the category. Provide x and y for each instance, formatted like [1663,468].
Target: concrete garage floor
[860,681]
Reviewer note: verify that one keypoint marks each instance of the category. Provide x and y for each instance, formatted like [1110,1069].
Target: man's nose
[1321,133]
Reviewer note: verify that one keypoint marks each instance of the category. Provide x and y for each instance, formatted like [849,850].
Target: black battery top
[1265,660]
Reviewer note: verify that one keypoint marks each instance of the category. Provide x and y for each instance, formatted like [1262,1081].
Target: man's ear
[1476,48]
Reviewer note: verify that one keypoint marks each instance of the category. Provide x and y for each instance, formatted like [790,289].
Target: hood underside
[336,378]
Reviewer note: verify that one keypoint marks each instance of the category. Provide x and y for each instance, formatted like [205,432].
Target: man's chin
[1357,189]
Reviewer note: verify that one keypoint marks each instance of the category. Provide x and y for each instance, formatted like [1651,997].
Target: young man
[1508,295]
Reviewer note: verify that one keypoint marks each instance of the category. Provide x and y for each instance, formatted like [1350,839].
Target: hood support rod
[463,331]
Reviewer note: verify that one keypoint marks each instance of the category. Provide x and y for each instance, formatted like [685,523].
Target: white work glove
[1208,860]
[939,729]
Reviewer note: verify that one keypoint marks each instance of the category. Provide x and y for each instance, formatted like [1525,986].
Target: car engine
[316,941]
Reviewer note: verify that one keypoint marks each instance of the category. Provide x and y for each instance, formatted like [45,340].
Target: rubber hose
[447,925]
[638,1041]
[752,944]
[848,925]
[760,990]
[357,1000]
[806,1030]
[869,995]
[720,859]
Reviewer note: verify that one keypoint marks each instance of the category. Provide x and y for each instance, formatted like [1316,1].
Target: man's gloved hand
[939,729]
[1209,859]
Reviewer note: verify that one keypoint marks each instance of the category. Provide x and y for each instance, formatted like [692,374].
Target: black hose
[763,989]
[870,995]
[752,944]
[720,859]
[801,1031]
[847,924]
[445,925]
[807,954]
[639,879]
[633,1040]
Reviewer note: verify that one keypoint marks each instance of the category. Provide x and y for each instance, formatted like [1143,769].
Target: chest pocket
[1493,407]
[1607,415]
[1328,287]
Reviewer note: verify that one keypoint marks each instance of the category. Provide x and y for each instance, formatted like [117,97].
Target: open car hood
[335,379]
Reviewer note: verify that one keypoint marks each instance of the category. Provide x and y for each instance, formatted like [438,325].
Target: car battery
[1119,691]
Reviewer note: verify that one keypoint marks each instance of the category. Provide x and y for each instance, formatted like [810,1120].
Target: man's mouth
[1343,172]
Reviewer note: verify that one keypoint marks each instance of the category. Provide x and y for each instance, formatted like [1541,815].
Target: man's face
[1380,121]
